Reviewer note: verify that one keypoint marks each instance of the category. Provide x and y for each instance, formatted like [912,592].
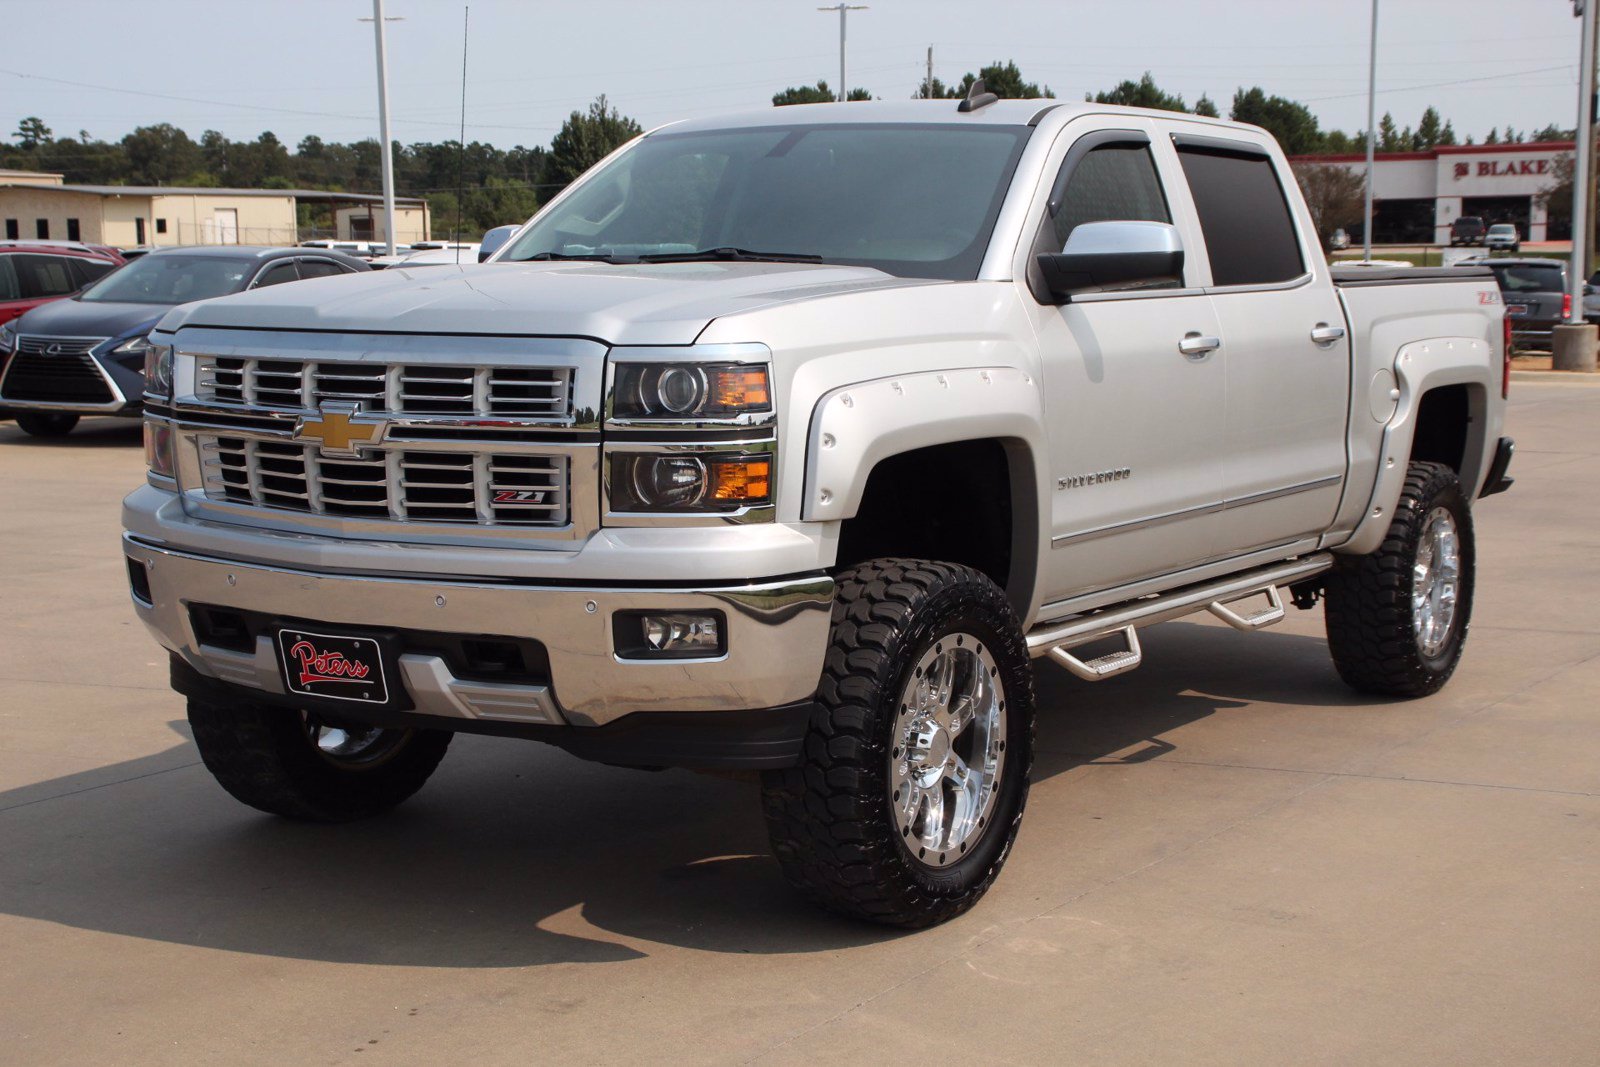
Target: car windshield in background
[913,200]
[1529,278]
[170,279]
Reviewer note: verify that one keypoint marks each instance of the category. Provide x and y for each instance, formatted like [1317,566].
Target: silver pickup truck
[786,443]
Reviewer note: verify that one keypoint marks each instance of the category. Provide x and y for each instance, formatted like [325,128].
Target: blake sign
[1499,168]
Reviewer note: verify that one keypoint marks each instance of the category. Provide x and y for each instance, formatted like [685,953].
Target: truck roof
[999,113]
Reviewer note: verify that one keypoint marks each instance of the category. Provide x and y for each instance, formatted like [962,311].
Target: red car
[34,274]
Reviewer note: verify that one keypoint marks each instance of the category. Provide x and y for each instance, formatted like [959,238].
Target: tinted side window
[43,276]
[1113,183]
[1248,229]
[8,279]
[277,274]
[319,268]
[89,270]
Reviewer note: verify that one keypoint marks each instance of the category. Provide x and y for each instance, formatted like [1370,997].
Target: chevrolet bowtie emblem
[340,430]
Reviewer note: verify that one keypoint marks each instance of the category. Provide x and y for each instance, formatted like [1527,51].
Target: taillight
[1566,306]
[1505,358]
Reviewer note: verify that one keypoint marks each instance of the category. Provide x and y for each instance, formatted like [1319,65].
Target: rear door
[42,278]
[1283,427]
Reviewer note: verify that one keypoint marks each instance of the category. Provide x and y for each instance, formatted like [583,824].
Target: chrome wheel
[948,750]
[1435,582]
[348,744]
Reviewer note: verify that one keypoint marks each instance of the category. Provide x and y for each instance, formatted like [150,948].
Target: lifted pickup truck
[786,442]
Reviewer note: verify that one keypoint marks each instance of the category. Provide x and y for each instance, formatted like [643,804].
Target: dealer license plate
[332,667]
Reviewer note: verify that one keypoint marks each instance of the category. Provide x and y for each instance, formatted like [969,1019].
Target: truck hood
[643,304]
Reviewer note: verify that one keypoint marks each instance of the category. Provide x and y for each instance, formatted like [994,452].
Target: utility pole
[1573,346]
[929,94]
[844,11]
[1372,133]
[387,156]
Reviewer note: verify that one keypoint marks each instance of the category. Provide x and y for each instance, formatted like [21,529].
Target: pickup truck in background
[788,442]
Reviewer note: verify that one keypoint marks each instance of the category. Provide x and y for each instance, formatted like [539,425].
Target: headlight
[689,391]
[8,337]
[158,448]
[679,482]
[133,346]
[157,367]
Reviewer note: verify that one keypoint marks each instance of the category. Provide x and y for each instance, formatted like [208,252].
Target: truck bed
[1352,277]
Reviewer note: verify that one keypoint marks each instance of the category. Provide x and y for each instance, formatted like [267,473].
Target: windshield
[915,200]
[1530,278]
[1502,229]
[170,278]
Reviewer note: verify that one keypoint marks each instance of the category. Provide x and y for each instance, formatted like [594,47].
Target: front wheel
[916,763]
[1397,618]
[46,423]
[305,766]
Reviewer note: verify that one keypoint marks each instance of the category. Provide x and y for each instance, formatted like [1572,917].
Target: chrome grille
[534,394]
[32,344]
[473,488]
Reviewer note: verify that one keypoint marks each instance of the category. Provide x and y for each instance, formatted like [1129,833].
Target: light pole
[844,11]
[1573,344]
[1372,133]
[387,155]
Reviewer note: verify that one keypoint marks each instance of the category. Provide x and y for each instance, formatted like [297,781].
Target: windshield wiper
[744,254]
[601,257]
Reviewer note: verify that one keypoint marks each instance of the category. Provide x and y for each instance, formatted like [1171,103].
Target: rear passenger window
[8,280]
[277,275]
[1113,183]
[43,276]
[318,268]
[90,270]
[1249,232]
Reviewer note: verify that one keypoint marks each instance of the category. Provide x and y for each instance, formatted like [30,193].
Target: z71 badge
[514,497]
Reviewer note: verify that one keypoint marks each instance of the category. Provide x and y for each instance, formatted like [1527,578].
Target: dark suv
[1535,295]
[1468,230]
[86,355]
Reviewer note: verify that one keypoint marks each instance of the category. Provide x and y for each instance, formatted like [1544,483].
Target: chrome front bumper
[776,636]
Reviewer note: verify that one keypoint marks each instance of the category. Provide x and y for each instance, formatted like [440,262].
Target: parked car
[86,355]
[1339,241]
[428,253]
[795,464]
[1468,230]
[1536,298]
[1503,237]
[34,274]
[360,249]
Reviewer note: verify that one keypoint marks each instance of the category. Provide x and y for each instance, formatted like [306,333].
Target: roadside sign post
[1573,345]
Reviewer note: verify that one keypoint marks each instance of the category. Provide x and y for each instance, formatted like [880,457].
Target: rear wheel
[46,423]
[1397,618]
[306,766]
[916,763]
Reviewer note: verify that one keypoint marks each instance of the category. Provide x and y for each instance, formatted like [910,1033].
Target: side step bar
[1056,639]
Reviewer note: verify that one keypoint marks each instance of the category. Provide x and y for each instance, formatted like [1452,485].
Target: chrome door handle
[1197,347]
[1323,334]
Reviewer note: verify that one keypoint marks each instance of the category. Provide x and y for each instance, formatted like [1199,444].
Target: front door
[1283,426]
[1132,419]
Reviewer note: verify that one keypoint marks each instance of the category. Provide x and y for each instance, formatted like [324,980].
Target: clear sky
[299,67]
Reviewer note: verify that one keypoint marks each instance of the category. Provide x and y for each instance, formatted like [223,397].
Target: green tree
[1494,136]
[1292,123]
[814,94]
[1205,106]
[1143,93]
[31,133]
[1429,130]
[1389,135]
[587,138]
[1003,80]
[1334,194]
[1447,136]
[160,155]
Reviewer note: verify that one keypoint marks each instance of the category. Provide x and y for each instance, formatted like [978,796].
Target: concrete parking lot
[1228,857]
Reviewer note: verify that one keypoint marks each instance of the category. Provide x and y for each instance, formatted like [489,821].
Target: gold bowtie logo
[340,430]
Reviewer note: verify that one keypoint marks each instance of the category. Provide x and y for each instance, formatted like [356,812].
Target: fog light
[668,634]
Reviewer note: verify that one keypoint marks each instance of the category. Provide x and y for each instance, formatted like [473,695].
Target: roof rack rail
[977,97]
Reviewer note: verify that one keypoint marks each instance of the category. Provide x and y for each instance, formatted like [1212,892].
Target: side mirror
[494,240]
[1113,255]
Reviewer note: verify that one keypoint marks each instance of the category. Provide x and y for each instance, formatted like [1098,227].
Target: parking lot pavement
[1228,857]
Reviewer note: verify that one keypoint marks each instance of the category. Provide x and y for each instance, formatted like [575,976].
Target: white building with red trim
[1417,195]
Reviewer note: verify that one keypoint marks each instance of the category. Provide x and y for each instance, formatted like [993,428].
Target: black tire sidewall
[46,423]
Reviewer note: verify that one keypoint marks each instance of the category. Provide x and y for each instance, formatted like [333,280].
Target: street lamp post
[1573,346]
[844,10]
[1372,133]
[387,147]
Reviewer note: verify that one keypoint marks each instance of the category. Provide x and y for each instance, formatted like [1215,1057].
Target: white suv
[1503,237]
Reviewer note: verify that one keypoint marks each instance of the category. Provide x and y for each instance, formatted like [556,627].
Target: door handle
[1323,334]
[1197,347]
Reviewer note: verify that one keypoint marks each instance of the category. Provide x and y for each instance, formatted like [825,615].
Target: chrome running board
[1216,596]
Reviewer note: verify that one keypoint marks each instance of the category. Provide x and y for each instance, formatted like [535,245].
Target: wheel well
[1442,421]
[967,502]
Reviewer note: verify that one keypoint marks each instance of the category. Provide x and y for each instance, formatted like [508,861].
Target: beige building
[129,215]
[364,222]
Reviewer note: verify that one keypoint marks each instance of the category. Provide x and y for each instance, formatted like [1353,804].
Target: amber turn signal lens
[740,388]
[741,481]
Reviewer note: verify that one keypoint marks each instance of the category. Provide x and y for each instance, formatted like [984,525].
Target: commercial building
[1417,195]
[39,206]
